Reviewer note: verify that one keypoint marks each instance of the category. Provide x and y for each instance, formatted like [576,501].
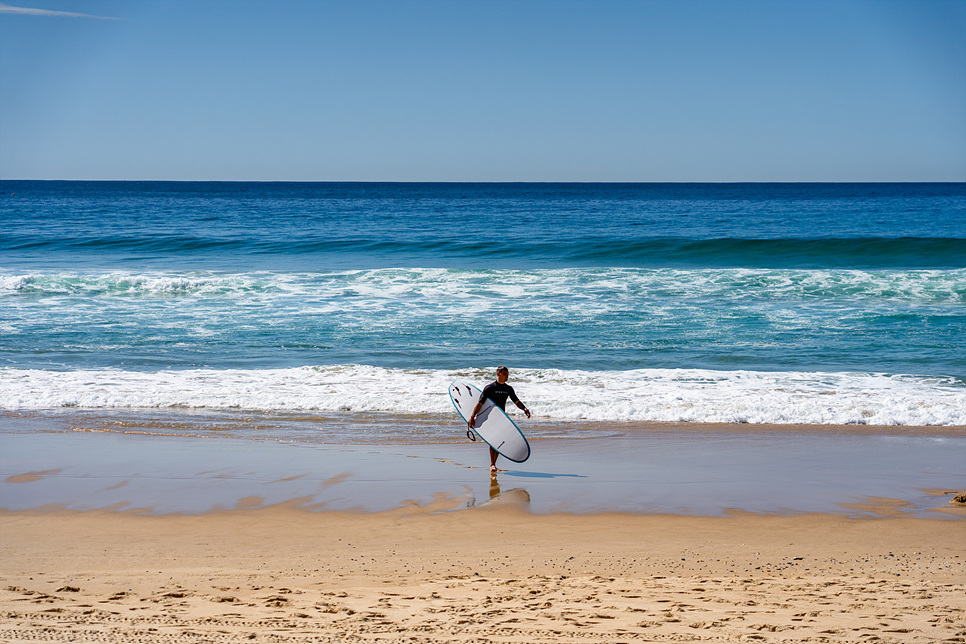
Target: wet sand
[669,469]
[716,534]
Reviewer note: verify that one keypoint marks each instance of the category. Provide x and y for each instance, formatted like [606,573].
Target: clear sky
[484,90]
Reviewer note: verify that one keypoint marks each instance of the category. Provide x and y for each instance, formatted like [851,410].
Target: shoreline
[154,421]
[657,469]
[495,573]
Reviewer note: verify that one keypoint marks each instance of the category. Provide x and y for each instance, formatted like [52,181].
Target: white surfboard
[492,423]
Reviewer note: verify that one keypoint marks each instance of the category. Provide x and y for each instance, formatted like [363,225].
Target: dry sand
[489,574]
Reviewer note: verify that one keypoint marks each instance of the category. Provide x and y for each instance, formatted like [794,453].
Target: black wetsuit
[498,394]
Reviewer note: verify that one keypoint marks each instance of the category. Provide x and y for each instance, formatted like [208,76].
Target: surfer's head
[502,373]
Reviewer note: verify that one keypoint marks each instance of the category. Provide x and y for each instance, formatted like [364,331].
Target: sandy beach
[488,574]
[107,537]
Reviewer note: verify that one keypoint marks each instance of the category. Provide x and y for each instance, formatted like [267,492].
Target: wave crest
[639,395]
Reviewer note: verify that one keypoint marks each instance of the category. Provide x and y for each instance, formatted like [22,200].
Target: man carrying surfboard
[498,392]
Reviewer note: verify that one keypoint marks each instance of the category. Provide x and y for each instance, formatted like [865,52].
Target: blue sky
[484,90]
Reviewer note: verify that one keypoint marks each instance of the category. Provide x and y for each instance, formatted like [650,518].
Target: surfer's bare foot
[493,468]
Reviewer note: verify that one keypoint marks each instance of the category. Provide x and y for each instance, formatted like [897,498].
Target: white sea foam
[643,395]
[123,284]
[489,288]
[13,283]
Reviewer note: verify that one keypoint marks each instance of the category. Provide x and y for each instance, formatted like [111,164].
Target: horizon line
[493,182]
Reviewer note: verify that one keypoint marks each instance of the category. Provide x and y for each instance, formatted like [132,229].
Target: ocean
[315,311]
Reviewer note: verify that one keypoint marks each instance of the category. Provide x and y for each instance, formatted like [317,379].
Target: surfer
[498,392]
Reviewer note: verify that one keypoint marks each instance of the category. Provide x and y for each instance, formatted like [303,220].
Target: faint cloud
[27,11]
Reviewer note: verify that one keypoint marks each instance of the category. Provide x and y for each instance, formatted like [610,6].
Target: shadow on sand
[541,475]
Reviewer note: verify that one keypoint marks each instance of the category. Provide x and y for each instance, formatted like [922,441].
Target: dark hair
[499,369]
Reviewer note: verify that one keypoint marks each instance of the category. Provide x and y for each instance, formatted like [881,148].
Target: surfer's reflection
[515,496]
[494,485]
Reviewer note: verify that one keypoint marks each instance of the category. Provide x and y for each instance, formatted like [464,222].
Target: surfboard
[492,423]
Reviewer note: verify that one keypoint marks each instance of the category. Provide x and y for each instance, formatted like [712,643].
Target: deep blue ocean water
[787,303]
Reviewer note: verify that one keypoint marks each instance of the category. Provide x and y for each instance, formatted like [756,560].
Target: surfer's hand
[527,412]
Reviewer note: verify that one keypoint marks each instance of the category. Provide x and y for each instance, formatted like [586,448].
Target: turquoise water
[761,303]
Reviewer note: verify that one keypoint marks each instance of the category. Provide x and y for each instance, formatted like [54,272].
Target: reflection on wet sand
[695,472]
[517,496]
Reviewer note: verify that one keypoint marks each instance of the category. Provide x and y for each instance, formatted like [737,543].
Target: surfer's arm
[476,410]
[523,407]
[518,403]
